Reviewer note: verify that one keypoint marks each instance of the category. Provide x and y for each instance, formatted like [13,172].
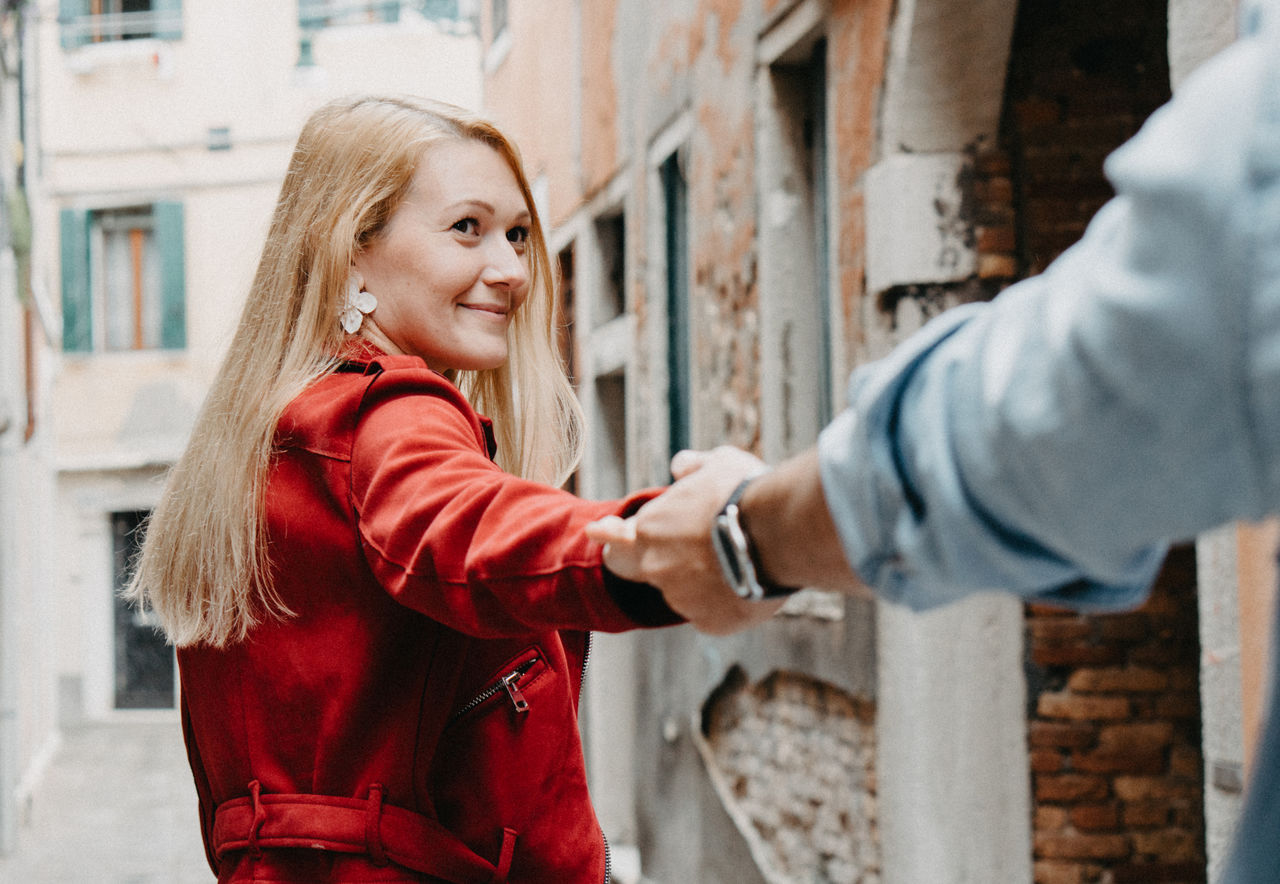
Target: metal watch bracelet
[733,550]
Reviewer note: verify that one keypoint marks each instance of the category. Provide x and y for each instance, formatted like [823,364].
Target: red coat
[420,710]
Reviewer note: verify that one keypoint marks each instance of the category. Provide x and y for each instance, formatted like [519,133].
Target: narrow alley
[117,806]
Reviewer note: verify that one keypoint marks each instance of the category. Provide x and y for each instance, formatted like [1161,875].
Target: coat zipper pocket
[508,683]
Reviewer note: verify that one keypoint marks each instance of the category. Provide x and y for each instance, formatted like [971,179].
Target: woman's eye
[469,226]
[518,235]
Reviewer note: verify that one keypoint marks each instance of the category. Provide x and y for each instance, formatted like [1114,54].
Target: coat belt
[381,831]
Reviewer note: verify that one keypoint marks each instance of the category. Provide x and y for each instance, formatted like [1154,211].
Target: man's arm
[794,537]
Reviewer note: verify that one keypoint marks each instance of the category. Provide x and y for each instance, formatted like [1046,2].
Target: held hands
[668,544]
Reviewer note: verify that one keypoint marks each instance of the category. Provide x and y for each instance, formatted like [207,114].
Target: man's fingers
[686,462]
[612,529]
[622,560]
[618,536]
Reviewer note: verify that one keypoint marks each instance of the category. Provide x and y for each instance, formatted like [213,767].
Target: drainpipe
[13,100]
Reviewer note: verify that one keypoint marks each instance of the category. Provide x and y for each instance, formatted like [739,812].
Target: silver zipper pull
[513,691]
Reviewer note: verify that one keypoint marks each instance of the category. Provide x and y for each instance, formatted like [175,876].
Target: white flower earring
[355,305]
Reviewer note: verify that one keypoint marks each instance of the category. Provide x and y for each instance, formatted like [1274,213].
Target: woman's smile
[449,269]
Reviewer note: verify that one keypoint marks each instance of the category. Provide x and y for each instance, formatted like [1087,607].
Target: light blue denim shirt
[1051,443]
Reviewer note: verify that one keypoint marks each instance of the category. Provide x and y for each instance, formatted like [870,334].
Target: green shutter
[168,11]
[171,244]
[68,12]
[77,307]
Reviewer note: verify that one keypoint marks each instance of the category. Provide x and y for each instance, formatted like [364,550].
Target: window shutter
[68,12]
[168,18]
[173,287]
[77,307]
[312,14]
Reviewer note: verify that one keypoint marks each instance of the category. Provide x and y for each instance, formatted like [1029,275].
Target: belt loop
[505,855]
[259,817]
[373,828]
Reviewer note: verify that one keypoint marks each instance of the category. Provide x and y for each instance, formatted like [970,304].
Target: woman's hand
[668,544]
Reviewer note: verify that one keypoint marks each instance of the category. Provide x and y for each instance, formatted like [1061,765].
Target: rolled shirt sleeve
[1052,442]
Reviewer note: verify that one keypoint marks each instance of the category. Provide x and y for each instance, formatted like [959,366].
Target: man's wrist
[736,553]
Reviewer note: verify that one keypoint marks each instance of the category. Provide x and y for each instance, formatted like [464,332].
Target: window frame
[81,26]
[83,295]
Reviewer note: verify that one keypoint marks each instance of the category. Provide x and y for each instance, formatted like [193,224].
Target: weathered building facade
[749,198]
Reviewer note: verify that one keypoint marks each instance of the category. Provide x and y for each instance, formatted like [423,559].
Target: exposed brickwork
[1082,78]
[795,760]
[1113,700]
[1114,739]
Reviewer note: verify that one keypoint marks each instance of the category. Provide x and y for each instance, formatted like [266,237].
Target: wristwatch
[733,549]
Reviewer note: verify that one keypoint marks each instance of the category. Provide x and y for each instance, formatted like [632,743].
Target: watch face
[723,544]
[734,555]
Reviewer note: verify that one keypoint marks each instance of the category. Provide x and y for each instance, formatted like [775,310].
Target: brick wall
[1083,76]
[1115,739]
[793,760]
[1114,725]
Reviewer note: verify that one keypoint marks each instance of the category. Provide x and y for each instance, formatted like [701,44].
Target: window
[566,339]
[99,21]
[564,324]
[144,663]
[611,236]
[313,14]
[609,436]
[795,301]
[327,13]
[675,194]
[123,284]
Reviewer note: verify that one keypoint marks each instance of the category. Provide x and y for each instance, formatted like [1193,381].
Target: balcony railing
[316,14]
[83,29]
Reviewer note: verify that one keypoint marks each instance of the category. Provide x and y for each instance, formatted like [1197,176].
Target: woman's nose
[506,265]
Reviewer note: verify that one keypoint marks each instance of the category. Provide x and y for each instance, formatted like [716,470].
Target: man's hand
[668,544]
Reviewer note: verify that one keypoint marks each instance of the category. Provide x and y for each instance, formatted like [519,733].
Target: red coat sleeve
[449,534]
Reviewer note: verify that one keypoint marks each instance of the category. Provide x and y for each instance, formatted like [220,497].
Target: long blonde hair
[204,567]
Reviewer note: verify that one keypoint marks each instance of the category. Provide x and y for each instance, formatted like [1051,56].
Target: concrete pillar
[954,782]
[1199,29]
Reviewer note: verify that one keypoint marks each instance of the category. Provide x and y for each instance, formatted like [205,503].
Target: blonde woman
[381,604]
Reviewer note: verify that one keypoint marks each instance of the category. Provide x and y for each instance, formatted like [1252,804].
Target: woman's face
[450,267]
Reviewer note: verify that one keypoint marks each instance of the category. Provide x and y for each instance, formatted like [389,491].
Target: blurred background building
[747,200]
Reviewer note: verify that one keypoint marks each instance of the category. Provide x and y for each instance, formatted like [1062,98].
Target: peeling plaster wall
[547,130]
[683,77]
[600,120]
[647,80]
[700,64]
